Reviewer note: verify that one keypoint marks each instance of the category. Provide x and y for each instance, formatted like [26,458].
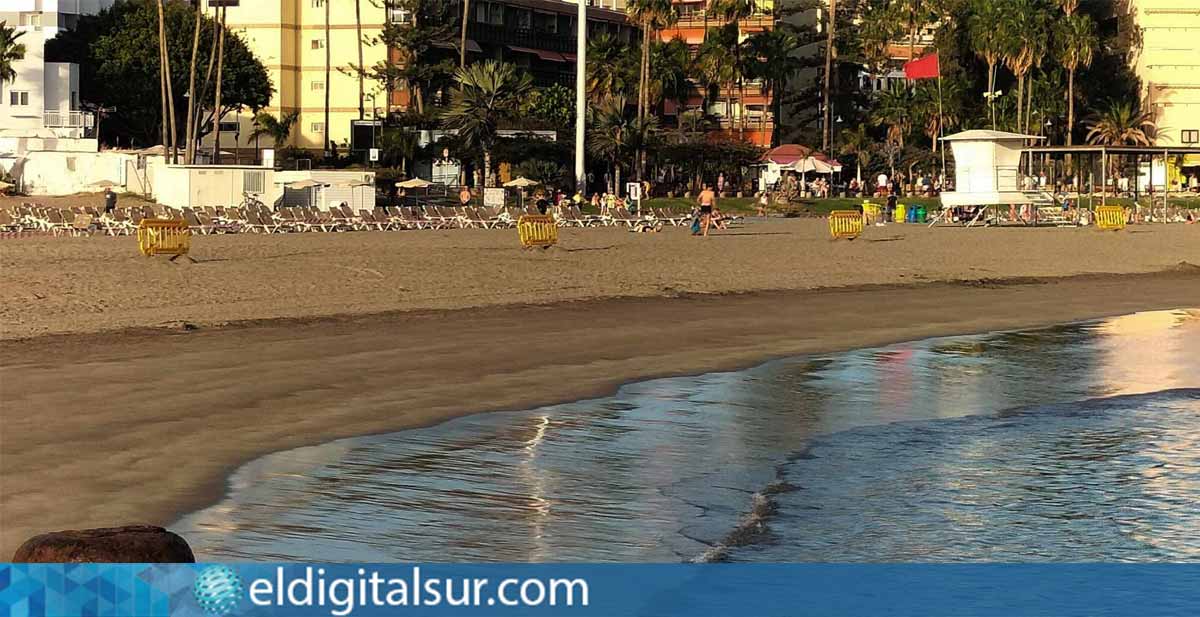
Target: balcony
[520,37]
[71,124]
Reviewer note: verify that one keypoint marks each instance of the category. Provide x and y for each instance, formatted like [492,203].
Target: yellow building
[289,38]
[1168,63]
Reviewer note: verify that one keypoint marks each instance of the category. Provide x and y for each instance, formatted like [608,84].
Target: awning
[549,56]
[472,46]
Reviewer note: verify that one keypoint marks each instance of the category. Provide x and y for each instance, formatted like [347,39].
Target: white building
[39,110]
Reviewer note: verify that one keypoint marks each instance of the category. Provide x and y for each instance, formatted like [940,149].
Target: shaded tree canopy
[117,51]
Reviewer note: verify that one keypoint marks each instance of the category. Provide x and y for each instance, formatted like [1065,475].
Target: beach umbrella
[303,184]
[415,183]
[104,184]
[520,183]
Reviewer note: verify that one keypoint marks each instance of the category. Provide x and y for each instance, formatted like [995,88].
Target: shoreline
[155,393]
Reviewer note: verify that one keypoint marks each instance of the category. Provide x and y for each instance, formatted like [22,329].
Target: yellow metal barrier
[846,224]
[872,213]
[537,230]
[164,237]
[1111,217]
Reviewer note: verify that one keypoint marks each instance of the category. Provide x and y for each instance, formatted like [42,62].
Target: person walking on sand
[110,200]
[708,200]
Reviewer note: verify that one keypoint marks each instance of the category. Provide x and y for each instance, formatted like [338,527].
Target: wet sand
[101,426]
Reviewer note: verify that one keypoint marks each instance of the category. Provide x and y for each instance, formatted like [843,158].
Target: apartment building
[40,109]
[1168,63]
[288,36]
[728,107]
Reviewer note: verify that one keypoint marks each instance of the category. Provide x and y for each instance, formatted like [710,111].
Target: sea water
[1078,442]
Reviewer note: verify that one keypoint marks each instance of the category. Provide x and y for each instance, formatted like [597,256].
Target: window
[318,4]
[318,43]
[399,16]
[70,163]
[1190,137]
[318,127]
[74,100]
[230,127]
[316,86]
[31,19]
[489,13]
[254,182]
[18,97]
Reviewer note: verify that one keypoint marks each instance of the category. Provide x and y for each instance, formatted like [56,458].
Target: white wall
[181,186]
[66,173]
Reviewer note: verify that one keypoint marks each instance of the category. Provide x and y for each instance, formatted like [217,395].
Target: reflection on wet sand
[861,455]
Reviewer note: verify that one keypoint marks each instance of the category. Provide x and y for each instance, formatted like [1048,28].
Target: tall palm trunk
[462,43]
[208,74]
[168,92]
[643,95]
[216,149]
[741,82]
[162,78]
[362,112]
[189,147]
[1020,99]
[328,66]
[1070,111]
[827,86]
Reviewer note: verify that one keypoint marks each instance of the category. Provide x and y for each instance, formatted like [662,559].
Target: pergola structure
[1103,154]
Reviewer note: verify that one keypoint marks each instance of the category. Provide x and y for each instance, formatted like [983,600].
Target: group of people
[901,185]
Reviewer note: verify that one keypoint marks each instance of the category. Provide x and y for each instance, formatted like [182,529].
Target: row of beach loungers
[87,220]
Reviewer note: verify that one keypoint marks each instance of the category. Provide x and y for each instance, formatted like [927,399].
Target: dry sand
[62,285]
[101,424]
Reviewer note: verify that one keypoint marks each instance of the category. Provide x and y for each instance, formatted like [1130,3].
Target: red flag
[923,68]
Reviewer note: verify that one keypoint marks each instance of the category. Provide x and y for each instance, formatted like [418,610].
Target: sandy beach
[131,387]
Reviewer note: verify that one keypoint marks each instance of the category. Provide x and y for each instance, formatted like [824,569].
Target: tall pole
[580,96]
[942,123]
[827,136]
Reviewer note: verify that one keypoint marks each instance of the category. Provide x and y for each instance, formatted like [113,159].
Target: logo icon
[218,590]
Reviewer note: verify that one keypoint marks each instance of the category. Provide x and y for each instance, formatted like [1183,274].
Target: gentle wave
[674,469]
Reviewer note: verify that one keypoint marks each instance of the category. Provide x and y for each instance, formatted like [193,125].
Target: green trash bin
[921,214]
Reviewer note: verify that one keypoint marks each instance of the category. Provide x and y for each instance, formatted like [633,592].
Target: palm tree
[1024,34]
[1077,46]
[671,71]
[716,65]
[734,11]
[931,116]
[220,43]
[988,40]
[827,83]
[10,51]
[607,68]
[462,39]
[1121,124]
[612,136]
[652,15]
[165,90]
[487,92]
[894,110]
[773,64]
[278,129]
[917,13]
[856,143]
[189,147]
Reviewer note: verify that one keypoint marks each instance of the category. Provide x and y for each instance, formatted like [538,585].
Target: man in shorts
[708,200]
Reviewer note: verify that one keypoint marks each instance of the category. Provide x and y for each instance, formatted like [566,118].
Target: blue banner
[339,590]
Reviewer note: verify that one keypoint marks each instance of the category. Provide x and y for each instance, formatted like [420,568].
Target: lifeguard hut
[987,169]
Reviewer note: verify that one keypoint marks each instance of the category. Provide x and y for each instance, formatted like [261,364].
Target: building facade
[288,37]
[752,119]
[40,110]
[1167,61]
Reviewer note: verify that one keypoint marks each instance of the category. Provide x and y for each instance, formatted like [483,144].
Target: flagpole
[941,123]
